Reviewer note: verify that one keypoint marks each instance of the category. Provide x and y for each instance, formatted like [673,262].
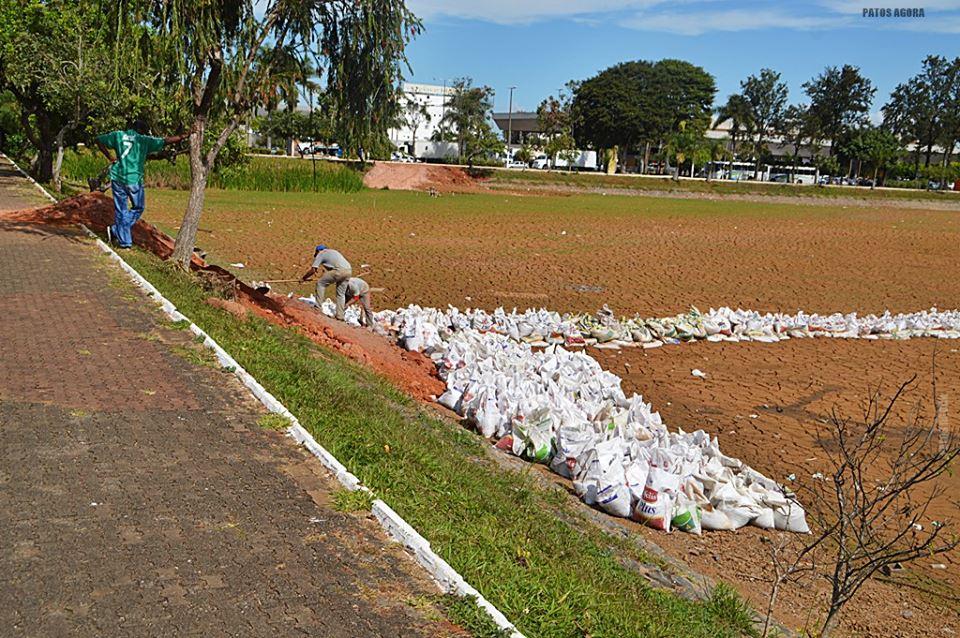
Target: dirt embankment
[420,177]
[411,371]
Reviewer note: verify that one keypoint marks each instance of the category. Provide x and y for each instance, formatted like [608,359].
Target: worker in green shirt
[130,150]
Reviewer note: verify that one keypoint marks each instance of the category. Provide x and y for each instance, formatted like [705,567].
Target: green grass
[352,501]
[273,421]
[528,548]
[593,180]
[259,174]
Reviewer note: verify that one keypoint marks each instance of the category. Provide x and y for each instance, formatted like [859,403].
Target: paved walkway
[138,494]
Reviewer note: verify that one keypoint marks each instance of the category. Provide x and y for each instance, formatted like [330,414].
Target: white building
[414,135]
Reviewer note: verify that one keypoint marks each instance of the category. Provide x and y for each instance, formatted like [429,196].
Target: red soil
[411,177]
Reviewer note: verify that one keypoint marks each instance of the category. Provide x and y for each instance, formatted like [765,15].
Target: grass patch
[530,551]
[259,174]
[464,611]
[589,181]
[273,421]
[182,324]
[195,355]
[352,500]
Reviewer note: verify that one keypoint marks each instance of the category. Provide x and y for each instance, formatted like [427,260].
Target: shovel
[263,288]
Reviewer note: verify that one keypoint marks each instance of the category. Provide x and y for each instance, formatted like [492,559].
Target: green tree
[415,115]
[467,121]
[59,62]
[283,125]
[611,110]
[797,127]
[524,154]
[950,134]
[685,144]
[766,97]
[737,111]
[555,121]
[713,151]
[919,110]
[839,100]
[229,58]
[641,102]
[880,147]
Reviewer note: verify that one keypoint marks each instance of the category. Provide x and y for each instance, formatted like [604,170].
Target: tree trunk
[646,156]
[876,169]
[58,161]
[44,164]
[199,172]
[756,168]
[829,624]
[771,603]
[926,158]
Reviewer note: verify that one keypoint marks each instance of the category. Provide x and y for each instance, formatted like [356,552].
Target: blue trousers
[128,202]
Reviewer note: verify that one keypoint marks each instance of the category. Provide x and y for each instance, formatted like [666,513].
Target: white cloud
[696,17]
[521,11]
[693,22]
[857,6]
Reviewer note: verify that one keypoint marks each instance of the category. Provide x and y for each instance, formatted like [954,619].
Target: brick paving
[138,495]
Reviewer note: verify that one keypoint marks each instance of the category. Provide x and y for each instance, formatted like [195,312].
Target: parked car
[780,178]
[513,163]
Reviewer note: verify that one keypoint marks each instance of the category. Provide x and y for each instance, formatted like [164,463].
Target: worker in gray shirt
[337,270]
[359,291]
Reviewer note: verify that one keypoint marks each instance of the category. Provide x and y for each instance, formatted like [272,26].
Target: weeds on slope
[258,174]
[524,546]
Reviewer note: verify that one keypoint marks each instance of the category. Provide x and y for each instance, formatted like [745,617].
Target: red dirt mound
[410,371]
[396,176]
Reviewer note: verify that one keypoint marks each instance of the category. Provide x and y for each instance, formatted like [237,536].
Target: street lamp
[510,124]
[443,100]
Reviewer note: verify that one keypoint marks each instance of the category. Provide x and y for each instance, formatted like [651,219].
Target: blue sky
[538,45]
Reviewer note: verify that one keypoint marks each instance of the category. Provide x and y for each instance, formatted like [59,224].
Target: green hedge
[258,174]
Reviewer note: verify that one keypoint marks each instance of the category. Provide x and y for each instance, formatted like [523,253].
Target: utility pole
[510,124]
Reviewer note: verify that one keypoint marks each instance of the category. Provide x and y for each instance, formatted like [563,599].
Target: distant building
[418,142]
[522,125]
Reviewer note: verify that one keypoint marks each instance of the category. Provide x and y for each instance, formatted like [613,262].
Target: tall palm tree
[737,110]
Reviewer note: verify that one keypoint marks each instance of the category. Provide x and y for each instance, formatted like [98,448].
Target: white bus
[736,171]
[791,175]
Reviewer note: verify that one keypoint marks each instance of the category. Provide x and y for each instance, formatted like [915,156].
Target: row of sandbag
[558,407]
[541,327]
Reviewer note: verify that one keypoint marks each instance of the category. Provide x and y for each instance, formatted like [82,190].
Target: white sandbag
[450,399]
[686,515]
[791,518]
[488,417]
[534,432]
[713,519]
[764,520]
[655,508]
[572,442]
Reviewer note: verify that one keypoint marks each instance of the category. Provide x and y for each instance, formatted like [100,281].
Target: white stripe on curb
[449,580]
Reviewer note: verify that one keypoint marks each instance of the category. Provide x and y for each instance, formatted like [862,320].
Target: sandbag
[655,508]
[686,515]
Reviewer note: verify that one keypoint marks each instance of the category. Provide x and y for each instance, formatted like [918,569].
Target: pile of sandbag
[603,330]
[515,378]
[558,407]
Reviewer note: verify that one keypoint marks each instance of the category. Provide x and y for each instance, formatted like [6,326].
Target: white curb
[449,580]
